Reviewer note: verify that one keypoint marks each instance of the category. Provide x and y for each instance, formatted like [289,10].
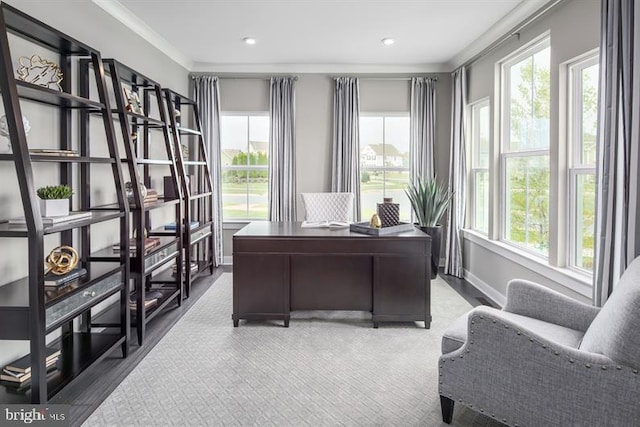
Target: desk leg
[375,325]
[286,323]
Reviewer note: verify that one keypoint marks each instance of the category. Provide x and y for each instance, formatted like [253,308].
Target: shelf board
[193,163]
[56,98]
[60,159]
[18,22]
[200,196]
[187,131]
[201,238]
[16,294]
[148,161]
[141,118]
[7,230]
[80,350]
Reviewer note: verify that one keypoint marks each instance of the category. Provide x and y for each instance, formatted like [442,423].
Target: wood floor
[87,392]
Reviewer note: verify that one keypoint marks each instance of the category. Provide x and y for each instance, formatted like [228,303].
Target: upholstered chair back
[615,332]
[328,206]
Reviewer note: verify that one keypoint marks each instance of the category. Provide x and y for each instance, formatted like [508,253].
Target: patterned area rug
[326,369]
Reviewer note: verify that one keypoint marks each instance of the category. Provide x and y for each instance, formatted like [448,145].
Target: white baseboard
[489,291]
[227,260]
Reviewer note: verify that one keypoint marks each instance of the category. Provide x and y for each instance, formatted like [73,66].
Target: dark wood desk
[279,267]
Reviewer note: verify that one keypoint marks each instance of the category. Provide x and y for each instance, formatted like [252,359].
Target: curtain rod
[515,31]
[435,78]
[246,77]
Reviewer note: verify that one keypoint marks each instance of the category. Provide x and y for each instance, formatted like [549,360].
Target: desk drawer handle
[89,294]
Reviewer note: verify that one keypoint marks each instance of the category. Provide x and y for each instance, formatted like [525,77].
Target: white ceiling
[206,35]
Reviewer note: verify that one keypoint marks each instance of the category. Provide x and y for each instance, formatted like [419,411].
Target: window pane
[258,140]
[529,102]
[233,138]
[234,195]
[257,198]
[481,200]
[482,134]
[527,202]
[396,142]
[371,191]
[585,220]
[589,114]
[395,184]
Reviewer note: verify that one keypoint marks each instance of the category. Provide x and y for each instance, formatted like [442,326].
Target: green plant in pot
[429,200]
[54,200]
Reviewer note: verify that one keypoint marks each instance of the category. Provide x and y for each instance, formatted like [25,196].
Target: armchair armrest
[533,300]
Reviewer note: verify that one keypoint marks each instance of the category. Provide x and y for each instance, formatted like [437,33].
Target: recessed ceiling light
[249,40]
[387,41]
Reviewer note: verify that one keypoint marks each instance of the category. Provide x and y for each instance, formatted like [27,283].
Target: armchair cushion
[615,330]
[456,335]
[328,206]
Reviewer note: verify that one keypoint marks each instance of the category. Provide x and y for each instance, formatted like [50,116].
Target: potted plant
[429,201]
[54,200]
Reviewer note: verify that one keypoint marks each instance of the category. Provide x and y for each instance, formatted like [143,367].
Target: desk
[279,267]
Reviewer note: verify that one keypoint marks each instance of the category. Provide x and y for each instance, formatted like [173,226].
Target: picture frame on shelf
[133,101]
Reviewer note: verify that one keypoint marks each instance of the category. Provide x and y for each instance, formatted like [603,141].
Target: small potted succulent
[429,201]
[54,200]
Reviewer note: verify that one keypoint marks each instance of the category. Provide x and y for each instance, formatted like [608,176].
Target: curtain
[282,156]
[423,124]
[345,167]
[207,97]
[617,207]
[457,175]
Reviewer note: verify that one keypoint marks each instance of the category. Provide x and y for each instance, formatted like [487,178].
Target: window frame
[575,166]
[247,168]
[505,152]
[473,113]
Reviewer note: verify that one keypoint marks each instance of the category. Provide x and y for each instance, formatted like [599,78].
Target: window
[525,148]
[384,162]
[583,121]
[479,140]
[245,148]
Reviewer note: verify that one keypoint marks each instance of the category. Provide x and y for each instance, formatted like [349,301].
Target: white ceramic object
[54,207]
[4,131]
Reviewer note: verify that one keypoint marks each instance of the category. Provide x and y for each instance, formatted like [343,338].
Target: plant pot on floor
[54,207]
[436,236]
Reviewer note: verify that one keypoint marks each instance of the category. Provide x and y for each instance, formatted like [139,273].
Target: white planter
[54,207]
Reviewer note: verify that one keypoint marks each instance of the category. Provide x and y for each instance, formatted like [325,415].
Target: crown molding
[118,11]
[202,67]
[506,24]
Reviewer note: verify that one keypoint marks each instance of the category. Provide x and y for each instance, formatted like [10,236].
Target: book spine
[66,279]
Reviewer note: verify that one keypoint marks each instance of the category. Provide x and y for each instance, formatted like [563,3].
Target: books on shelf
[149,244]
[23,365]
[325,224]
[53,220]
[151,299]
[53,152]
[20,379]
[151,197]
[57,281]
[192,225]
[193,265]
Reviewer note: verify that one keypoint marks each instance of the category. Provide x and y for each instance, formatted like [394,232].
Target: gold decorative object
[39,71]
[375,221]
[61,260]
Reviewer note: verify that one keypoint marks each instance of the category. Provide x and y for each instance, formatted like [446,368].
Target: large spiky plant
[429,200]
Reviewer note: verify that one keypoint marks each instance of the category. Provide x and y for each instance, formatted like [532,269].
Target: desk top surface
[294,230]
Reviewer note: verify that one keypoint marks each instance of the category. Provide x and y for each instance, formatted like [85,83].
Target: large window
[525,148]
[384,162]
[245,149]
[479,141]
[583,121]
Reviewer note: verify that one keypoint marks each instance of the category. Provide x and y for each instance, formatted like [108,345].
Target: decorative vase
[436,236]
[54,207]
[389,212]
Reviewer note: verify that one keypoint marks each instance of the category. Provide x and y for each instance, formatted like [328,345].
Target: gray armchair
[546,359]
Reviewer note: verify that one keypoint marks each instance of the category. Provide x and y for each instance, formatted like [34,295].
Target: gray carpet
[327,369]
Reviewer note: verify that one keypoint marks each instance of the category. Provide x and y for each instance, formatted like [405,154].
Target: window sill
[570,279]
[235,225]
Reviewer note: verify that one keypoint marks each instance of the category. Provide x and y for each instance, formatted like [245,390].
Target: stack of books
[151,197]
[193,264]
[53,220]
[149,244]
[192,225]
[54,281]
[151,299]
[18,373]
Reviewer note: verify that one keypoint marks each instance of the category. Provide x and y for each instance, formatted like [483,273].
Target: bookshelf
[28,312]
[195,178]
[148,158]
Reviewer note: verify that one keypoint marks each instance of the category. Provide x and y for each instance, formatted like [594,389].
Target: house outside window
[384,162]
[583,122]
[244,140]
[524,156]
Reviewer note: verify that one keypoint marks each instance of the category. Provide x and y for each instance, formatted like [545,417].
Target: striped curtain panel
[282,155]
[423,128]
[618,153]
[457,175]
[345,167]
[207,96]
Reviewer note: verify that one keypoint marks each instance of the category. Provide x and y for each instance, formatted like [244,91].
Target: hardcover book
[23,365]
[55,281]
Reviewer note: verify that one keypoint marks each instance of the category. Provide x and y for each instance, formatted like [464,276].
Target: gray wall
[574,30]
[88,23]
[314,115]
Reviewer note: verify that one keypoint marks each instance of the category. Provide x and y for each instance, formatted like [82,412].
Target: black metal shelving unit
[148,268]
[197,186]
[28,312]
